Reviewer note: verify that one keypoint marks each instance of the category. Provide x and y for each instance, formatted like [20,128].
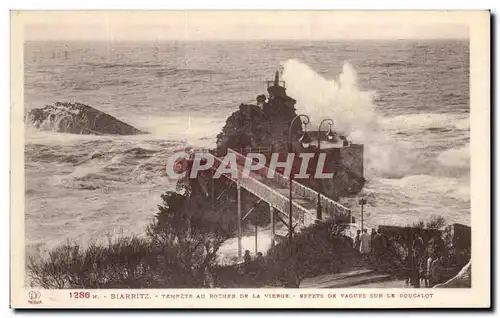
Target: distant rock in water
[76,118]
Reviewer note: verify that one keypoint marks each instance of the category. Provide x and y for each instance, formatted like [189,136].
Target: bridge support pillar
[238,191]
[213,192]
[273,224]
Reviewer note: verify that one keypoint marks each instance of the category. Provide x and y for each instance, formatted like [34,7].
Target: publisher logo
[34,297]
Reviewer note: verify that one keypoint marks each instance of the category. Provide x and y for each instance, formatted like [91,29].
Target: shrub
[192,233]
[123,263]
[179,250]
[436,222]
[318,249]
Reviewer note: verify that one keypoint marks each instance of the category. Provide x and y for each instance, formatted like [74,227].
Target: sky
[243,25]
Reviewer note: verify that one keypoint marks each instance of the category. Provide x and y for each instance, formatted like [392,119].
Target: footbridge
[275,191]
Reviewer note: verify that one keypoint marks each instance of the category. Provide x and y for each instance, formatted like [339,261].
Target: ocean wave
[194,131]
[141,151]
[123,65]
[94,175]
[462,124]
[356,116]
[455,157]
[124,164]
[394,64]
[185,71]
[162,69]
[426,121]
[427,186]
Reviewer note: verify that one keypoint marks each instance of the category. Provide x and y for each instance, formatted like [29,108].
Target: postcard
[250,159]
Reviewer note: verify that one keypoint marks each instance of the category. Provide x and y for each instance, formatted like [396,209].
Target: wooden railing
[330,207]
[246,150]
[254,185]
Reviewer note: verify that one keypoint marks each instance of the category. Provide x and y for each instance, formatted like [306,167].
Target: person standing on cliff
[246,261]
[366,242]
[374,247]
[357,240]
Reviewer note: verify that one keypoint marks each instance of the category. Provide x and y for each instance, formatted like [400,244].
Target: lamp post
[305,140]
[362,202]
[329,136]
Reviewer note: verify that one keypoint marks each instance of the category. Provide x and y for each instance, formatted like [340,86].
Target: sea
[407,101]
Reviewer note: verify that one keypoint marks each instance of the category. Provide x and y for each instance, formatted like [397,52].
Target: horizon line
[253,40]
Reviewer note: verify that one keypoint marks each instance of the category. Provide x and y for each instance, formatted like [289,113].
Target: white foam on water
[414,122]
[194,131]
[353,112]
[342,100]
[428,187]
[463,124]
[228,252]
[455,157]
[400,169]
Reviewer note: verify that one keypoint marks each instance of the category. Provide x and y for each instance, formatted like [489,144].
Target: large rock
[76,118]
[259,126]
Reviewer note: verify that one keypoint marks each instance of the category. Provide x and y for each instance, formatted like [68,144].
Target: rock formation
[76,118]
[266,124]
[259,126]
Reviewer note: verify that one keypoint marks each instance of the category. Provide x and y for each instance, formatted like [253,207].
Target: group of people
[428,257]
[249,265]
[423,263]
[371,244]
[430,268]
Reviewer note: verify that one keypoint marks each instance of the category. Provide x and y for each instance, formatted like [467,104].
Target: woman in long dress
[366,240]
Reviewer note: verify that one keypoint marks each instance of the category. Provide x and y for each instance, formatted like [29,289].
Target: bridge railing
[329,207]
[253,184]
[255,150]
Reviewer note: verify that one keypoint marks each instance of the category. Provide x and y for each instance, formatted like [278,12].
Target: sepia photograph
[307,154]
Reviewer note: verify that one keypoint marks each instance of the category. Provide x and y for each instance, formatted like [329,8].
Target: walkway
[275,191]
[362,278]
[274,188]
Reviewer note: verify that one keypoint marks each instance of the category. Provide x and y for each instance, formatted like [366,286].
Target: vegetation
[435,222]
[286,264]
[318,249]
[125,263]
[180,247]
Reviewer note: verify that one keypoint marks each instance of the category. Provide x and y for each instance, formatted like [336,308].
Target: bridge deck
[275,191]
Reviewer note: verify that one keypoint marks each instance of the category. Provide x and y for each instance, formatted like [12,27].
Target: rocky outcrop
[258,126]
[76,118]
[267,124]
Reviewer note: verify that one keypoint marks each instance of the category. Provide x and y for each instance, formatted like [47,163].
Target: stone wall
[351,158]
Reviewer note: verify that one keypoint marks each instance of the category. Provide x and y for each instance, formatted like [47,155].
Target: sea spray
[354,114]
[228,252]
[195,131]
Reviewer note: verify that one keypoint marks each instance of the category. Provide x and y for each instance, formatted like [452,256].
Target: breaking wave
[455,157]
[342,100]
[353,112]
[426,121]
[355,115]
[427,186]
[162,69]
[395,64]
